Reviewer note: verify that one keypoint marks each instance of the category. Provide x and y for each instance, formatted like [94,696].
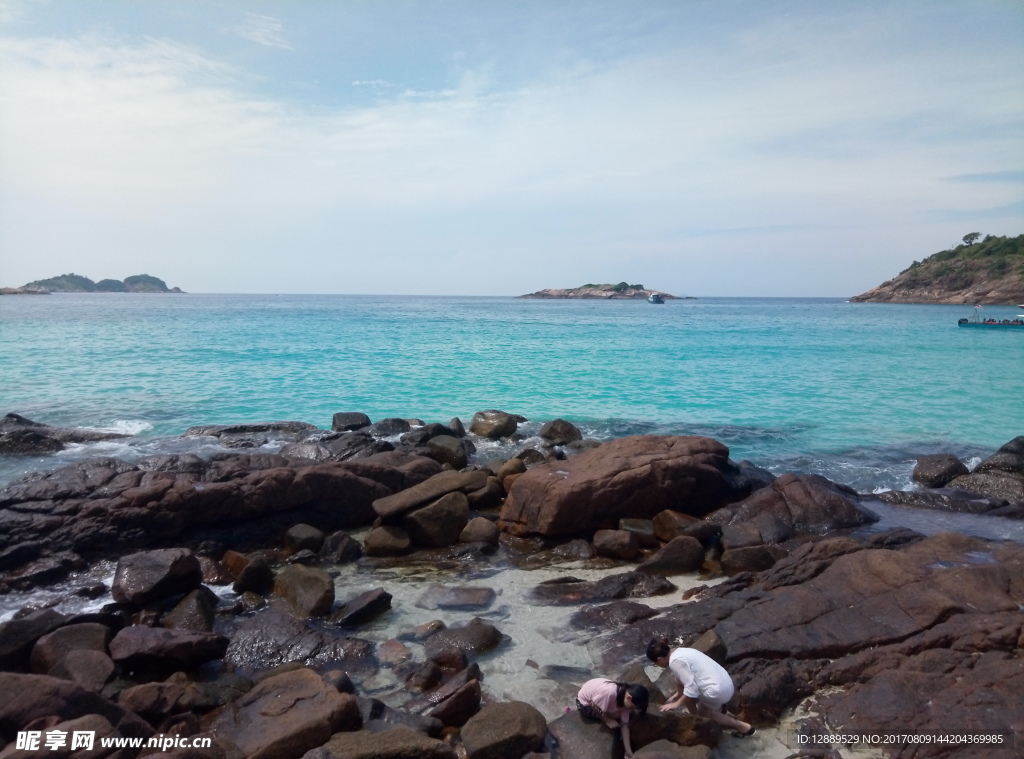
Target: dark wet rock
[427,701]
[427,432]
[156,650]
[678,556]
[285,716]
[309,592]
[893,538]
[305,557]
[270,639]
[765,686]
[531,456]
[494,424]
[570,590]
[504,731]
[578,549]
[745,534]
[644,531]
[618,544]
[399,743]
[751,559]
[457,427]
[440,523]
[474,638]
[802,503]
[256,576]
[346,421]
[356,445]
[52,647]
[87,668]
[610,616]
[362,609]
[26,698]
[480,530]
[44,570]
[450,658]
[936,470]
[560,432]
[23,437]
[340,548]
[149,575]
[390,427]
[303,537]
[277,428]
[18,554]
[19,635]
[210,692]
[214,572]
[446,449]
[633,477]
[487,497]
[429,491]
[942,499]
[456,710]
[427,677]
[387,540]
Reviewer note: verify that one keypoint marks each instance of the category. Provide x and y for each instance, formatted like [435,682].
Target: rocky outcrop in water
[23,437]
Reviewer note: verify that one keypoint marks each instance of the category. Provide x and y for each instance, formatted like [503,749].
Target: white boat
[655,298]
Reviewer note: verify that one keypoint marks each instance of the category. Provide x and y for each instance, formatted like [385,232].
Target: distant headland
[621,291]
[76,283]
[990,272]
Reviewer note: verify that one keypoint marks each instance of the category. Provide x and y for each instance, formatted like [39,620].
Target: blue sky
[495,148]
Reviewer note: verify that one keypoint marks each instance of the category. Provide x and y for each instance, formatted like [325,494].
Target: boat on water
[655,298]
[990,323]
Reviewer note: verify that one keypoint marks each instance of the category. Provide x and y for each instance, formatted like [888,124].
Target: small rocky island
[621,291]
[990,272]
[76,283]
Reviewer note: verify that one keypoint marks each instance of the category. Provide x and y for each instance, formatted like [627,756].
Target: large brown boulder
[494,424]
[1001,475]
[630,477]
[428,491]
[148,575]
[504,731]
[53,647]
[286,715]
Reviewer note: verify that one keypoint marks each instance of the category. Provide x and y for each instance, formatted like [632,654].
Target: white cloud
[264,30]
[113,148]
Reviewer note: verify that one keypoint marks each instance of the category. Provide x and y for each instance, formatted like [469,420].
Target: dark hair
[657,648]
[638,693]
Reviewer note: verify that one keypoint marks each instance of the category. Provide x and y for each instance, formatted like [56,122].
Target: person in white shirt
[704,687]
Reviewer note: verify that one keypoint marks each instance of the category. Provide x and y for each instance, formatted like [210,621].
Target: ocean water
[851,391]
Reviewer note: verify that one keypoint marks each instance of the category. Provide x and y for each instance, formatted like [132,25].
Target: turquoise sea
[851,391]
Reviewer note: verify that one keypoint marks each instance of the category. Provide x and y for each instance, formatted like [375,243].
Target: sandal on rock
[738,734]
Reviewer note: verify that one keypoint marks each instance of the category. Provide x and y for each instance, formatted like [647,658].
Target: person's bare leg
[723,719]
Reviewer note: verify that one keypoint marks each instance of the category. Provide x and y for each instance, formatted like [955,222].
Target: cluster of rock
[621,291]
[874,627]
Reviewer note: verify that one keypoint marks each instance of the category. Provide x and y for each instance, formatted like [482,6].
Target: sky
[724,148]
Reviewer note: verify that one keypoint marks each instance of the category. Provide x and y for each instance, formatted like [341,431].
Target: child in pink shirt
[612,703]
